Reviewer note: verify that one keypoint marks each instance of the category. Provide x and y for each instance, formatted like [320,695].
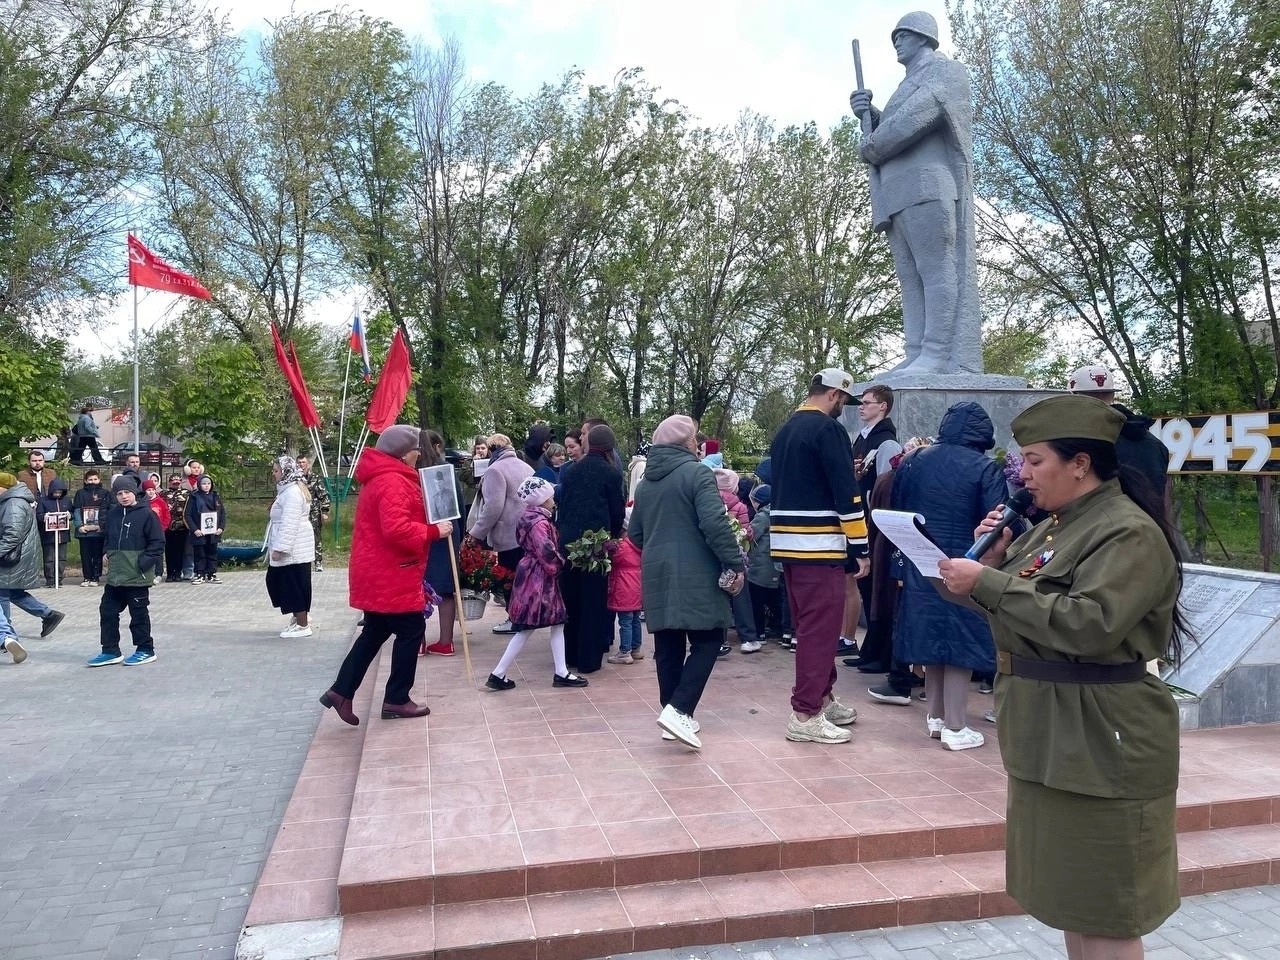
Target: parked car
[152,453]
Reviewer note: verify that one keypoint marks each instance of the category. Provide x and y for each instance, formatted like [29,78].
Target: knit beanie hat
[601,438]
[676,429]
[124,482]
[713,446]
[7,480]
[148,484]
[398,439]
[762,495]
[534,490]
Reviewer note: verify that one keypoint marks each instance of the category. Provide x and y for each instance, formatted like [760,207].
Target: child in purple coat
[535,594]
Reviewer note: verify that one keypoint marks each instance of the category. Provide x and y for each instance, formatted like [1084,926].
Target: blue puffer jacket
[953,484]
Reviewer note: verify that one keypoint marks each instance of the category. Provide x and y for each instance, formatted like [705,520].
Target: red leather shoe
[441,649]
[342,705]
[404,711]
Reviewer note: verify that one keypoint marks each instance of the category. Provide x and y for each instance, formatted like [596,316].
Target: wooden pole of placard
[458,612]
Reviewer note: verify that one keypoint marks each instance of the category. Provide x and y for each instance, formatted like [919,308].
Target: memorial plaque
[1207,602]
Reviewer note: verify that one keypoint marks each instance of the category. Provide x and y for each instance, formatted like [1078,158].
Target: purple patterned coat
[535,596]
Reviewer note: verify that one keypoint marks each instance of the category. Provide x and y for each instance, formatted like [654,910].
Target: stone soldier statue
[920,147]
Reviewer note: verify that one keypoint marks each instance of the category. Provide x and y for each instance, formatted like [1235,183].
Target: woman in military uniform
[1089,739]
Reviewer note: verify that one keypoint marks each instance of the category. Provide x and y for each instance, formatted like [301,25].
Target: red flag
[148,270]
[308,412]
[393,386]
[293,374]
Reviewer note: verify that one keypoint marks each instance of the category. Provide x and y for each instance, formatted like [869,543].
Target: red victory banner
[297,386]
[393,386]
[148,270]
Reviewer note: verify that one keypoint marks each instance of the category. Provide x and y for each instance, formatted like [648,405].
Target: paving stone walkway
[1235,925]
[139,803]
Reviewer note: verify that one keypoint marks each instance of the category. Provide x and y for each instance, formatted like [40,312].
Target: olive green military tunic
[1093,767]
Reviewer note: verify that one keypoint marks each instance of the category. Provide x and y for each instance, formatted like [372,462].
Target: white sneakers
[697,727]
[817,729]
[680,725]
[936,725]
[295,630]
[965,739]
[838,713]
[15,649]
[750,646]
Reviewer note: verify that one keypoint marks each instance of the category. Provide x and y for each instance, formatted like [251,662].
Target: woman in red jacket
[389,544]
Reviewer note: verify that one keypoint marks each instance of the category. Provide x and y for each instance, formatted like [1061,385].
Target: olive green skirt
[1091,864]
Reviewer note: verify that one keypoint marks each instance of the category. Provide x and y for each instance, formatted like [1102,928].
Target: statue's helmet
[921,23]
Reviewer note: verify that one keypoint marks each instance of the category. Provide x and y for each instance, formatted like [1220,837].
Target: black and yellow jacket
[817,514]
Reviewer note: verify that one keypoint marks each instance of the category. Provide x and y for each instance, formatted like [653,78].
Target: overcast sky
[788,61]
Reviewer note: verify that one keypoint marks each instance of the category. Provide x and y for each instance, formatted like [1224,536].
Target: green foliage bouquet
[592,552]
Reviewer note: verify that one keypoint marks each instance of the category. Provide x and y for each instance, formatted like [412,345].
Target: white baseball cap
[835,379]
[1094,378]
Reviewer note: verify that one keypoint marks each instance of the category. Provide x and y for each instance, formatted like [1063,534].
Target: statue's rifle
[865,121]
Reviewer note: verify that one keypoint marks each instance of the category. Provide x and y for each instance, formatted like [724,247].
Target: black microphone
[1014,508]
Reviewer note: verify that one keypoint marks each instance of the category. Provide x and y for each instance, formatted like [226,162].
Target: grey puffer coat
[18,531]
[681,527]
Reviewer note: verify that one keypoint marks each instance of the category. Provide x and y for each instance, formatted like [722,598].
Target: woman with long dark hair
[1089,738]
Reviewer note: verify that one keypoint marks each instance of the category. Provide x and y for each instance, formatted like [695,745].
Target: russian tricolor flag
[361,346]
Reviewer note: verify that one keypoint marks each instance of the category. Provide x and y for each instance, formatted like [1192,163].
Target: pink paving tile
[774,795]
[814,767]
[609,783]
[475,854]
[642,805]
[528,747]
[313,863]
[388,862]
[287,902]
[684,775]
[317,808]
[755,894]
[480,821]
[401,933]
[1263,839]
[393,757]
[466,926]
[582,742]
[837,885]
[468,772]
[630,838]
[310,833]
[804,823]
[983,871]
[540,815]
[541,766]
[844,789]
[1213,848]
[448,796]
[556,787]
[915,784]
[391,828]
[461,752]
[566,726]
[692,801]
[733,843]
[561,844]
[917,879]
[671,915]
[758,770]
[557,914]
[617,758]
[391,778]
[950,811]
[377,803]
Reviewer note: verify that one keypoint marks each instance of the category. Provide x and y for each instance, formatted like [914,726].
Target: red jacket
[624,577]
[161,509]
[390,539]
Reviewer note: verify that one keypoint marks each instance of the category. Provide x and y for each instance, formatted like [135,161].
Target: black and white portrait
[440,491]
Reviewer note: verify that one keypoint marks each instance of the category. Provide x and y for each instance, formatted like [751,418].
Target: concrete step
[604,920]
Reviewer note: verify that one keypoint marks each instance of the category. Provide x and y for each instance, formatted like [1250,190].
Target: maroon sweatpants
[815,593]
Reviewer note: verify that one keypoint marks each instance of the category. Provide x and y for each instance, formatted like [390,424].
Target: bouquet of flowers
[1012,465]
[479,570]
[740,533]
[592,552]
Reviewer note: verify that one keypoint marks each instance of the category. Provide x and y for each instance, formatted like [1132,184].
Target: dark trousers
[816,594]
[205,551]
[91,557]
[175,545]
[766,606]
[409,629]
[47,545]
[681,678]
[877,645]
[588,625]
[90,444]
[114,601]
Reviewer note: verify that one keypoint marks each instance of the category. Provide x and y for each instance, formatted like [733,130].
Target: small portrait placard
[55,522]
[440,493]
[208,522]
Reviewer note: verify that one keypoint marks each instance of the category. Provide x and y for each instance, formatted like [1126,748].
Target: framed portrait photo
[440,493]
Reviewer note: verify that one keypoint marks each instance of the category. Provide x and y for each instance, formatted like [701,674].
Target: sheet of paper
[903,528]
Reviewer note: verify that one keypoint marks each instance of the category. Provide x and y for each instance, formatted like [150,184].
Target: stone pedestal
[919,402]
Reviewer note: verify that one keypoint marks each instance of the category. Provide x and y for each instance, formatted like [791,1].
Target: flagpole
[342,413]
[137,445]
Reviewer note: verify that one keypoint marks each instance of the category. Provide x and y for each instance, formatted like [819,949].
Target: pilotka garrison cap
[1067,415]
